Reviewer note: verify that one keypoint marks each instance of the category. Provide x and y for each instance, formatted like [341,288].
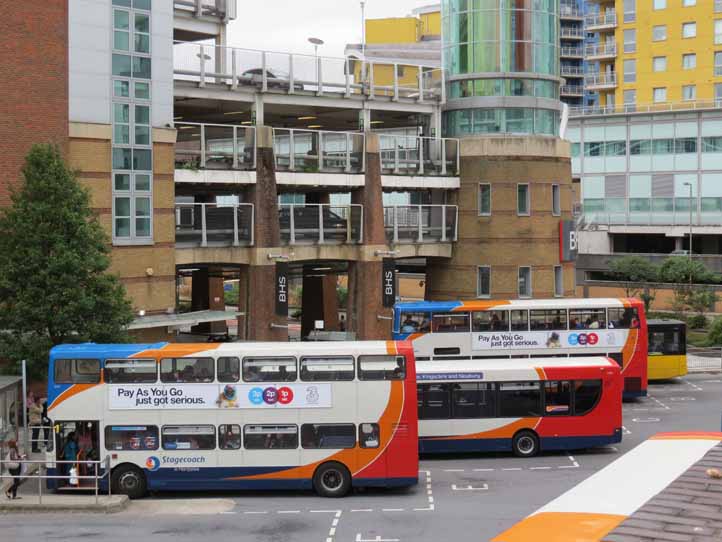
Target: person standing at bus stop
[14,468]
[70,453]
[35,412]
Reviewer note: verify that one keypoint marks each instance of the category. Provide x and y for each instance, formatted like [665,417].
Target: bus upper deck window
[127,371]
[519,320]
[269,369]
[77,371]
[381,368]
[329,369]
[490,321]
[623,318]
[548,320]
[415,322]
[193,370]
[450,323]
[229,369]
[587,319]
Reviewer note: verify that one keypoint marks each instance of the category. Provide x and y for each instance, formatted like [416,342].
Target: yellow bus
[667,357]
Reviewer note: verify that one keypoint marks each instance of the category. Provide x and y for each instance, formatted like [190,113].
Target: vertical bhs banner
[281,291]
[388,282]
[567,241]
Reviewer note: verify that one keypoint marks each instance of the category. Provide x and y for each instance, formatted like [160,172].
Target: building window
[689,30]
[523,204]
[556,200]
[659,33]
[718,6]
[718,31]
[630,11]
[630,71]
[659,64]
[660,4]
[718,91]
[718,63]
[484,199]
[660,95]
[525,282]
[558,281]
[630,97]
[689,61]
[689,3]
[689,92]
[483,281]
[630,40]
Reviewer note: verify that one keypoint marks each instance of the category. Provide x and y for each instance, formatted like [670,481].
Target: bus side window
[77,371]
[127,371]
[328,436]
[228,370]
[436,403]
[369,435]
[586,395]
[188,437]
[450,323]
[189,370]
[327,369]
[267,437]
[229,437]
[415,322]
[519,399]
[557,398]
[623,318]
[381,368]
[131,437]
[490,321]
[519,320]
[269,369]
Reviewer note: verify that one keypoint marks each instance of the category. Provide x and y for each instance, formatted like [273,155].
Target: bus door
[76,441]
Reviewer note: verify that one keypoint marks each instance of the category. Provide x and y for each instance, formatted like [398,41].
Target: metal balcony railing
[211,224]
[571,52]
[225,9]
[569,11]
[414,155]
[574,71]
[572,90]
[421,223]
[600,79]
[644,108]
[567,32]
[288,73]
[606,49]
[321,224]
[314,151]
[608,18]
[215,146]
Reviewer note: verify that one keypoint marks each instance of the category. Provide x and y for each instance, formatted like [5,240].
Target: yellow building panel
[431,24]
[392,30]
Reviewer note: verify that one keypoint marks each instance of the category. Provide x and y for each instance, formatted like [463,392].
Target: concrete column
[320,302]
[371,195]
[264,194]
[207,294]
[258,108]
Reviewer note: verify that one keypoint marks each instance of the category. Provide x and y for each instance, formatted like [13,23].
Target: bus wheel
[525,444]
[332,480]
[129,480]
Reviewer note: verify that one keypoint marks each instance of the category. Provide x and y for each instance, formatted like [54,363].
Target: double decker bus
[667,349]
[519,405]
[482,330]
[327,416]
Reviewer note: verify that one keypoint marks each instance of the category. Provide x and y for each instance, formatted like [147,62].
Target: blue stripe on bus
[438,446]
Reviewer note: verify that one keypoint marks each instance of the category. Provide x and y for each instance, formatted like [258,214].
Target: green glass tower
[501,59]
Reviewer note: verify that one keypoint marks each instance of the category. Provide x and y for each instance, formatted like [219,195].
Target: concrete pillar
[207,294]
[257,108]
[371,195]
[319,302]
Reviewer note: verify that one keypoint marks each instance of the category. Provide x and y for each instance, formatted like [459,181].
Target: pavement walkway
[63,503]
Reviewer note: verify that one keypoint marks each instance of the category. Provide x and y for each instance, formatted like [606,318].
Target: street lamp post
[363,29]
[689,253]
[316,42]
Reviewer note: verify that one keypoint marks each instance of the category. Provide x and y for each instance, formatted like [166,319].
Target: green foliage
[698,321]
[677,269]
[232,296]
[634,271]
[701,300]
[715,332]
[342,296]
[54,257]
[648,297]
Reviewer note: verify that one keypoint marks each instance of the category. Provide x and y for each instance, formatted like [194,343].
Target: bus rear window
[381,368]
[126,371]
[586,395]
[186,370]
[623,318]
[266,437]
[131,437]
[328,436]
[329,369]
[189,437]
[415,322]
[269,369]
[77,371]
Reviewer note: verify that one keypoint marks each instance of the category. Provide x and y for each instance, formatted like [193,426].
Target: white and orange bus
[523,328]
[592,510]
[328,416]
[519,405]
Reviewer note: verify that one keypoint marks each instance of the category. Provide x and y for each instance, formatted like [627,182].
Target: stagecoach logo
[152,463]
[583,339]
[312,395]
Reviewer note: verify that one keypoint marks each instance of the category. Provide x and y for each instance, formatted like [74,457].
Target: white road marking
[695,386]
[229,512]
[363,510]
[255,512]
[323,511]
[540,468]
[515,468]
[483,470]
[392,509]
[377,539]
[289,512]
[483,487]
[645,420]
[660,403]
[626,431]
[453,470]
[715,381]
[681,399]
[334,524]
[424,509]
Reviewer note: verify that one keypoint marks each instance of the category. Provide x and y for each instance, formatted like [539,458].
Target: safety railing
[215,146]
[600,79]
[212,224]
[421,223]
[225,9]
[570,32]
[572,70]
[94,471]
[605,49]
[314,151]
[572,90]
[608,18]
[644,108]
[571,52]
[321,224]
[289,73]
[414,155]
[569,11]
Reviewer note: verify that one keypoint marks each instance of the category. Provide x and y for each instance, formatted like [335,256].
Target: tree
[634,272]
[677,269]
[54,257]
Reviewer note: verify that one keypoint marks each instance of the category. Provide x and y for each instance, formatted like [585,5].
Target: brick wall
[34,67]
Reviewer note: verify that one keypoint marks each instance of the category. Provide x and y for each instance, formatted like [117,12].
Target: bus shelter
[11,410]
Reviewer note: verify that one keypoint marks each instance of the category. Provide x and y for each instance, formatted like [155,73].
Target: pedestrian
[14,468]
[35,412]
[70,453]
[46,423]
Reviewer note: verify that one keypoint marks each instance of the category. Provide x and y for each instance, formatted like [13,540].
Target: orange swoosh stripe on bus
[480,305]
[356,459]
[176,349]
[70,392]
[562,527]
[506,431]
[690,435]
[629,347]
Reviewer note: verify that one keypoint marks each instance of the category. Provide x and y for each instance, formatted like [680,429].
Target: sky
[286,25]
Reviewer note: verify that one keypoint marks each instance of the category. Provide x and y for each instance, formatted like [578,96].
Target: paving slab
[64,503]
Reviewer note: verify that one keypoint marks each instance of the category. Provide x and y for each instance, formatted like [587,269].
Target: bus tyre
[525,444]
[332,480]
[129,480]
